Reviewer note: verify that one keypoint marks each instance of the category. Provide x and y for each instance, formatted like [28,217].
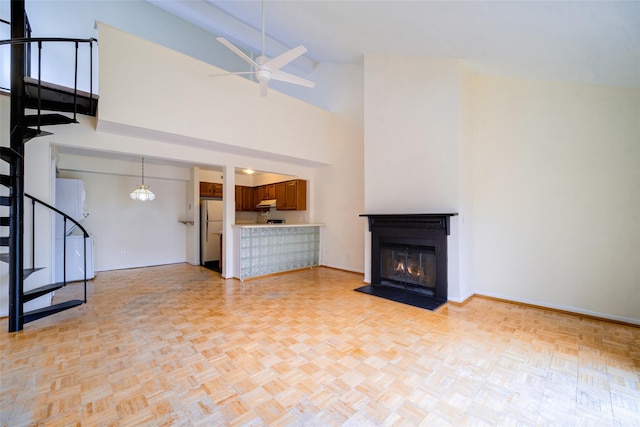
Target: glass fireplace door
[408,265]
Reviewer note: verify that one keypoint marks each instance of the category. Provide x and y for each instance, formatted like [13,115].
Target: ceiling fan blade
[237,51]
[290,78]
[264,85]
[283,59]
[232,74]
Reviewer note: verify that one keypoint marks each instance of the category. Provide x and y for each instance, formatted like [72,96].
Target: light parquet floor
[179,346]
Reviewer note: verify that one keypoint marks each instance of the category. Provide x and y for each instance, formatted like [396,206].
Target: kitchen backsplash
[290,217]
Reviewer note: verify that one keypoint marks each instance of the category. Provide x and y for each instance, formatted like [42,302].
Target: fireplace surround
[409,257]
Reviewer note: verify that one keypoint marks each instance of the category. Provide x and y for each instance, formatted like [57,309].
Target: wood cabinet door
[260,193]
[247,199]
[291,194]
[217,190]
[301,195]
[210,189]
[206,189]
[281,202]
[270,191]
[238,197]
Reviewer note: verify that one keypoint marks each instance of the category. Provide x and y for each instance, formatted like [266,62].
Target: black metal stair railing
[43,290]
[32,93]
[83,102]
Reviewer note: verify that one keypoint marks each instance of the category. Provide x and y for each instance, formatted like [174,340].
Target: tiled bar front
[272,249]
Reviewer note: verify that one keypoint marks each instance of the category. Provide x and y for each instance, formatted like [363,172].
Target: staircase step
[33,133]
[4,257]
[6,154]
[6,180]
[29,271]
[48,311]
[42,290]
[59,98]
[4,221]
[4,241]
[47,120]
[5,201]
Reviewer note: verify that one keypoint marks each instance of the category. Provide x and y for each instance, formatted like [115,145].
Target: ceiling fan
[266,69]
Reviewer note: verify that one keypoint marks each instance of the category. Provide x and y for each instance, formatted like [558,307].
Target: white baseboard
[570,309]
[338,267]
[463,299]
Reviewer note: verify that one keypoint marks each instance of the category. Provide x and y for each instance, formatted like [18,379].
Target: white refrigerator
[211,231]
[70,198]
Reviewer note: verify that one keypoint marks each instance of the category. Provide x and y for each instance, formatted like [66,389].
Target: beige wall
[412,144]
[556,194]
[411,134]
[129,233]
[149,87]
[544,175]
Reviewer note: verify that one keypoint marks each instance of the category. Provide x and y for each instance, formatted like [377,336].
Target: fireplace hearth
[409,258]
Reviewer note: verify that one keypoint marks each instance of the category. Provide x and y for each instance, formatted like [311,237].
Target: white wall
[464,222]
[411,134]
[544,175]
[337,189]
[412,137]
[234,116]
[556,195]
[129,233]
[150,87]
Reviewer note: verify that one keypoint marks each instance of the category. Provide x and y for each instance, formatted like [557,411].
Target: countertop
[275,225]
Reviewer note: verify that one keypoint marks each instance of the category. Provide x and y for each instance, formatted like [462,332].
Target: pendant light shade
[142,191]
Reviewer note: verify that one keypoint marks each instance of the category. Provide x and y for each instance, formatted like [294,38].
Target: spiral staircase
[29,97]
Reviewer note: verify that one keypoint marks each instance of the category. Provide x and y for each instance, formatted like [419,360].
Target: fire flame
[416,272]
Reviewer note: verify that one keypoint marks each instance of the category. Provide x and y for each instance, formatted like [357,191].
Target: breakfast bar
[262,249]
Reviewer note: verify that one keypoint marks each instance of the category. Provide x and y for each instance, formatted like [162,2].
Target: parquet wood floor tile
[178,345]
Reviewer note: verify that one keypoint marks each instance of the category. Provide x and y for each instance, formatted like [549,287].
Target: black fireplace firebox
[408,266]
[409,258]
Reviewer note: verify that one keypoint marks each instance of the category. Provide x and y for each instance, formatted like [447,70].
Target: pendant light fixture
[142,191]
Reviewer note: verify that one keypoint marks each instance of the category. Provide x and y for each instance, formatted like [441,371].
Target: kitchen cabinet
[269,191]
[281,202]
[259,194]
[291,195]
[210,189]
[238,197]
[244,198]
[247,199]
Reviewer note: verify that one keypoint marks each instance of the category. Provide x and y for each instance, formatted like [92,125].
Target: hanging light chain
[142,191]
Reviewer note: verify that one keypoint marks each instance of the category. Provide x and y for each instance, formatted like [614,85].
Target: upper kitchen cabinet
[269,191]
[210,189]
[238,197]
[245,198]
[291,195]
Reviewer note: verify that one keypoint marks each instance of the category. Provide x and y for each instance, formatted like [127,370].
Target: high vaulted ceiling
[585,41]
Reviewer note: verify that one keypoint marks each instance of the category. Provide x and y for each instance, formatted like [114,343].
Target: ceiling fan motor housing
[263,74]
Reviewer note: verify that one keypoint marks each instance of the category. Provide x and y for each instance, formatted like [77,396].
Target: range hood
[267,203]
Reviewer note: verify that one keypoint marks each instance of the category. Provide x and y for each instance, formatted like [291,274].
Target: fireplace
[408,266]
[409,257]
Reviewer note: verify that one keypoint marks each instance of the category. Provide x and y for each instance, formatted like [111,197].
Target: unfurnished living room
[289,213]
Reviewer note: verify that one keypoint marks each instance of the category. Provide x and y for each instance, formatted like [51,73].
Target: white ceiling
[586,41]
